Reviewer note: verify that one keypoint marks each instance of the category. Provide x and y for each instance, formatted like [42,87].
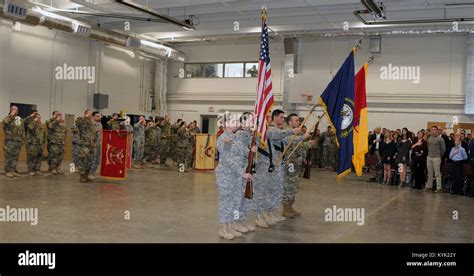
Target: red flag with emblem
[114,154]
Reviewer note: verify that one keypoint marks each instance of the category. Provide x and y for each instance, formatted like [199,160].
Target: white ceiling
[217,18]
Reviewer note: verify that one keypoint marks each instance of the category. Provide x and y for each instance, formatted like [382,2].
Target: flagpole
[249,186]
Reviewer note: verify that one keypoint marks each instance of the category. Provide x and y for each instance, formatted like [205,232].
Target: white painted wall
[27,71]
[438,96]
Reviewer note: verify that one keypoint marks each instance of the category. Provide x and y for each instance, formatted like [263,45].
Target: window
[251,70]
[221,70]
[234,70]
[204,70]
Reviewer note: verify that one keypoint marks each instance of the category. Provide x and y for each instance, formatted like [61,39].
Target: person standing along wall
[97,117]
[56,142]
[436,148]
[14,131]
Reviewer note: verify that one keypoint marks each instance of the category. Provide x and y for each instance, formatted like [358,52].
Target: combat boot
[91,176]
[237,226]
[287,211]
[277,216]
[261,221]
[224,234]
[59,170]
[9,175]
[231,230]
[31,173]
[249,227]
[268,218]
[53,171]
[87,177]
[38,173]
[16,174]
[83,178]
[294,212]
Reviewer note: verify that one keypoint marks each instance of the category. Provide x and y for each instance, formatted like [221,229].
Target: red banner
[114,154]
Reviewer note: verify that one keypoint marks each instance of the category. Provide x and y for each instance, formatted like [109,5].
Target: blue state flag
[338,102]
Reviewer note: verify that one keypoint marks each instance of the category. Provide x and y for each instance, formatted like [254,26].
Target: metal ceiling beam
[154,13]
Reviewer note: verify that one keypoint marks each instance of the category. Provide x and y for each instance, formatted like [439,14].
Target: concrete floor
[167,207]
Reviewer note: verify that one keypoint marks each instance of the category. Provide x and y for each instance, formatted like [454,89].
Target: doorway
[209,124]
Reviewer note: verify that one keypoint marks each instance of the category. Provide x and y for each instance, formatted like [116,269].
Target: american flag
[264,100]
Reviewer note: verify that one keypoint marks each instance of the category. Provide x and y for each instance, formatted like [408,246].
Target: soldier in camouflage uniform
[327,143]
[87,145]
[268,186]
[174,140]
[317,150]
[113,124]
[194,130]
[126,125]
[75,145]
[292,167]
[244,134]
[182,147]
[14,132]
[150,142]
[139,143]
[276,187]
[159,133]
[96,117]
[165,140]
[56,142]
[230,178]
[35,141]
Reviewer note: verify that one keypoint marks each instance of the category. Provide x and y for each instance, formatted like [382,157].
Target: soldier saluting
[14,131]
[36,139]
[113,124]
[56,142]
[86,134]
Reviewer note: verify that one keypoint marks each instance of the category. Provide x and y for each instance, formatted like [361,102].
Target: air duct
[36,16]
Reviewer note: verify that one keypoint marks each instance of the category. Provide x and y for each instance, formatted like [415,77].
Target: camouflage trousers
[164,149]
[275,189]
[261,182]
[316,156]
[150,153]
[245,204]
[292,184]
[11,151]
[34,156]
[328,157]
[138,151]
[190,155]
[229,197]
[172,149]
[95,163]
[55,155]
[85,158]
[75,153]
[183,156]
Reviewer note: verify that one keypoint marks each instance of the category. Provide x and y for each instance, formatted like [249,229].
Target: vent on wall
[15,10]
[133,42]
[81,29]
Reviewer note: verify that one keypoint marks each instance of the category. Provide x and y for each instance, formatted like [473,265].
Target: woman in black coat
[403,156]
[419,155]
[388,155]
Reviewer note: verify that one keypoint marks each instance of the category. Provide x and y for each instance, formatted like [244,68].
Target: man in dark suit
[375,142]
